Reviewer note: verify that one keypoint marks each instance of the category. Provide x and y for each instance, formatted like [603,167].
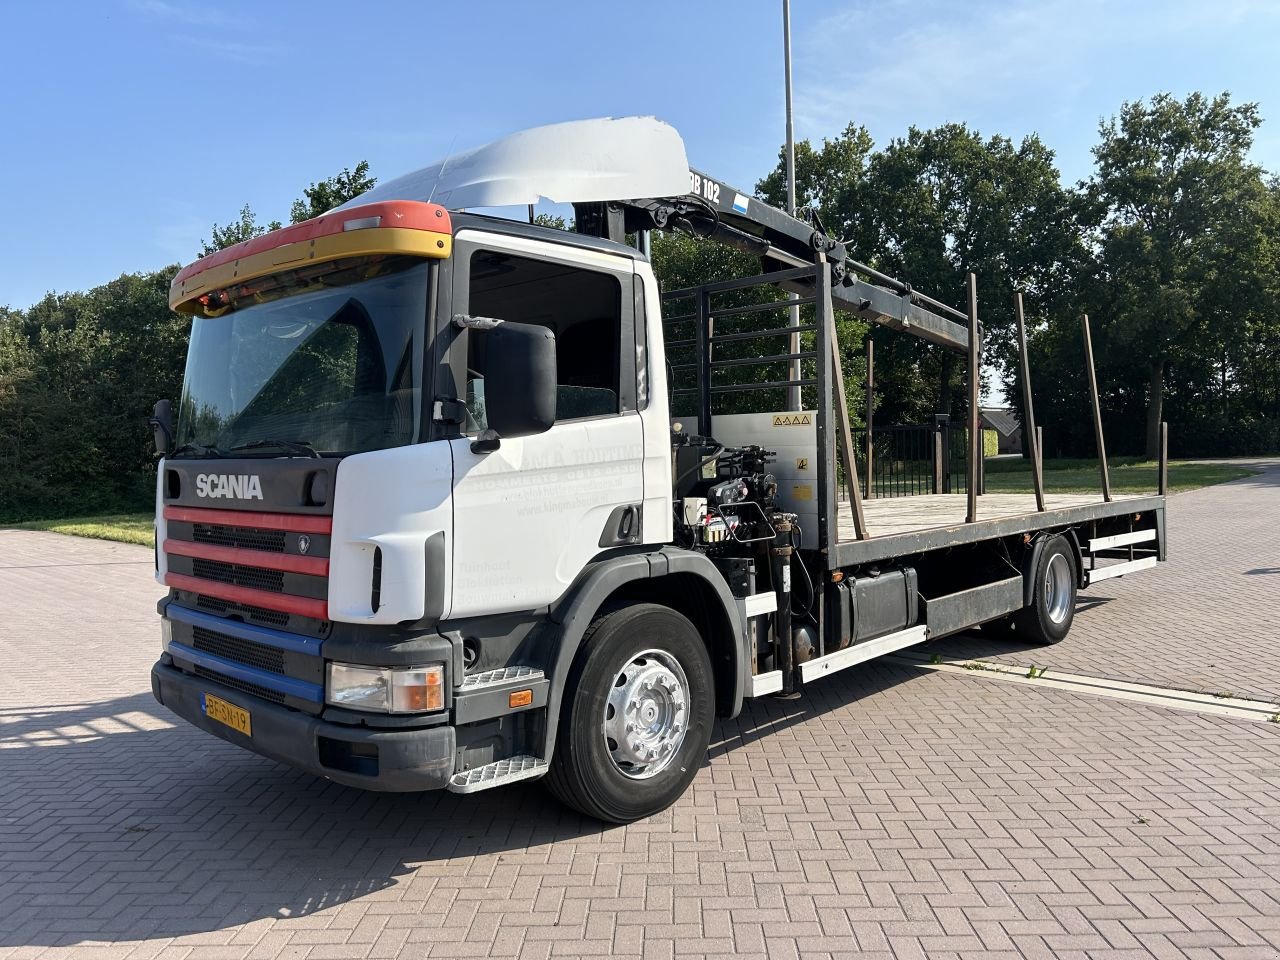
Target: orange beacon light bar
[392,227]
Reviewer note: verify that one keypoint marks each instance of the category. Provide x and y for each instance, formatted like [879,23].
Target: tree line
[1171,245]
[79,373]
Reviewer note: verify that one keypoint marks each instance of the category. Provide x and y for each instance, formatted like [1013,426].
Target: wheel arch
[1031,560]
[685,581]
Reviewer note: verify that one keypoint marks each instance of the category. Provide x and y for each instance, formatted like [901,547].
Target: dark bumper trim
[408,760]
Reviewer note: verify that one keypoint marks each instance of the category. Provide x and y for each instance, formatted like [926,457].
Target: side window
[582,307]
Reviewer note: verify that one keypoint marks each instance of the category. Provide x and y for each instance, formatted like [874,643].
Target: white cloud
[217,34]
[891,64]
[241,51]
[193,14]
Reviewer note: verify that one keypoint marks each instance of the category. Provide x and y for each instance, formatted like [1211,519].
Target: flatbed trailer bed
[898,526]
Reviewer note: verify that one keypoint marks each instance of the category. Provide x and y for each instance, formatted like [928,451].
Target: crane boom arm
[713,210]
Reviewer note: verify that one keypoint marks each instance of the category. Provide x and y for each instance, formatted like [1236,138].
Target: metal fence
[911,460]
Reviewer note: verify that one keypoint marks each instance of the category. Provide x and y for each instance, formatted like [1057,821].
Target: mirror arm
[487,442]
[161,422]
[467,322]
[158,426]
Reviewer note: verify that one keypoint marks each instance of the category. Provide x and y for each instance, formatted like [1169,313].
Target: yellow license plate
[237,718]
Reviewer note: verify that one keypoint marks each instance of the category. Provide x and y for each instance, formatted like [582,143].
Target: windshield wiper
[299,447]
[201,448]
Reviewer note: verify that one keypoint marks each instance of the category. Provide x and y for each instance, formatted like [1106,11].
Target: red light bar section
[289,563]
[284,602]
[290,522]
[402,214]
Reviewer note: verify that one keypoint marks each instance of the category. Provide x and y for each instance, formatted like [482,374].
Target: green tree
[246,227]
[324,196]
[78,375]
[946,202]
[1183,230]
[929,208]
[316,199]
[831,180]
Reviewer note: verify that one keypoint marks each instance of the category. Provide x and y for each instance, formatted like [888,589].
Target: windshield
[329,358]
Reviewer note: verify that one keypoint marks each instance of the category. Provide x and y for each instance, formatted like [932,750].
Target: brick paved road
[1207,620]
[895,812]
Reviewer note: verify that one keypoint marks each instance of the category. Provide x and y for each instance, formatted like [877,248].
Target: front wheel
[1053,597]
[637,715]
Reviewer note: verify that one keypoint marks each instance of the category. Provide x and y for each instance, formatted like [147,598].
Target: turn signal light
[520,698]
[417,690]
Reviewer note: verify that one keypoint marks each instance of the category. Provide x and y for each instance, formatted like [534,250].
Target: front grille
[269,540]
[238,574]
[252,689]
[272,618]
[247,652]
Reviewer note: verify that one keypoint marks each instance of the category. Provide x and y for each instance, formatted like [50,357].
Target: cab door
[531,514]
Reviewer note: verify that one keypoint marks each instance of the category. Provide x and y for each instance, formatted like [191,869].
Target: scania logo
[236,486]
[304,543]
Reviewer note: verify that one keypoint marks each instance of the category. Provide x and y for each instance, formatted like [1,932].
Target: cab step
[490,679]
[498,774]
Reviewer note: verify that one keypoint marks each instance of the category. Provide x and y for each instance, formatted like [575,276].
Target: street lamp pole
[793,392]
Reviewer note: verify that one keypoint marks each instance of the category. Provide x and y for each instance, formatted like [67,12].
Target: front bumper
[390,760]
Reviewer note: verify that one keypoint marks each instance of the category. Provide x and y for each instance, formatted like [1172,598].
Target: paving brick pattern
[892,812]
[1206,620]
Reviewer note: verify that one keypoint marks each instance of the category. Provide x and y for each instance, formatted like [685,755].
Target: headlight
[386,689]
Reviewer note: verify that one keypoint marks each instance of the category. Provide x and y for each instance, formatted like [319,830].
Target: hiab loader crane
[429,518]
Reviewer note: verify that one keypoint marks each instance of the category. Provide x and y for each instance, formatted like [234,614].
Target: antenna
[443,166]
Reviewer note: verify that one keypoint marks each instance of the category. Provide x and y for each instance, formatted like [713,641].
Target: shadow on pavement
[119,822]
[142,833]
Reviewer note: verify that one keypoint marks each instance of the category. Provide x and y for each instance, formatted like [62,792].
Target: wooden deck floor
[898,515]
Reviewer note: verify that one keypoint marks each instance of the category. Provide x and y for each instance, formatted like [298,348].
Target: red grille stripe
[292,522]
[285,603]
[314,566]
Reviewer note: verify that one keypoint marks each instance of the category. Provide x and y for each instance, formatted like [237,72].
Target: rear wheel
[637,715]
[1053,597]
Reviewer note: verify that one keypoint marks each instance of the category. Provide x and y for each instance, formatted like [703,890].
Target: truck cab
[367,579]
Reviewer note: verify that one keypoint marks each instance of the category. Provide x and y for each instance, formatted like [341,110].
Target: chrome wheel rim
[1057,588]
[646,715]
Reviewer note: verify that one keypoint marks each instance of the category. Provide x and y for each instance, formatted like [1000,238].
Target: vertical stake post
[1029,428]
[1039,452]
[1097,411]
[937,459]
[1163,483]
[844,435]
[871,406]
[702,337]
[975,433]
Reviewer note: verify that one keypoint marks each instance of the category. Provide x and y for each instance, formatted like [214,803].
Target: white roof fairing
[581,161]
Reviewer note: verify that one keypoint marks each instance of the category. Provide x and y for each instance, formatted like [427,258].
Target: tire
[1053,596]
[597,768]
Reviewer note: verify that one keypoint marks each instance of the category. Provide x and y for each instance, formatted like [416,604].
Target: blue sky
[128,126]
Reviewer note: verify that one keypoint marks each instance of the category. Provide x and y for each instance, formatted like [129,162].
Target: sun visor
[581,161]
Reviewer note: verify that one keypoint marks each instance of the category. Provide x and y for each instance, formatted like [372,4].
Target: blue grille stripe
[272,681]
[243,631]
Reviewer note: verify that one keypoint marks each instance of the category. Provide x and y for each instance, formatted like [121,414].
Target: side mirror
[161,423]
[519,382]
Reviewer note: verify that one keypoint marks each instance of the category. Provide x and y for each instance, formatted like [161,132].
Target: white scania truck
[447,503]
